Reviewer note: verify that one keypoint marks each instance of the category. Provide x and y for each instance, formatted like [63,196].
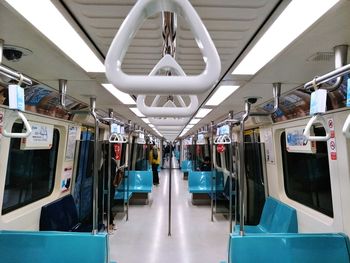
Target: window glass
[30,173]
[307,176]
[141,158]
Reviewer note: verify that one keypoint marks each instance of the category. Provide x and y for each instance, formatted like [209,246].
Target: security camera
[12,54]
[15,53]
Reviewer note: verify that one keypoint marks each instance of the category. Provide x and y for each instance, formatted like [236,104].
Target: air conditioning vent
[321,57]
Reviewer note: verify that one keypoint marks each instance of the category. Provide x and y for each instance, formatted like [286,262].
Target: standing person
[154,159]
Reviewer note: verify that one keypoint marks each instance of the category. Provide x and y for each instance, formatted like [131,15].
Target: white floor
[194,238]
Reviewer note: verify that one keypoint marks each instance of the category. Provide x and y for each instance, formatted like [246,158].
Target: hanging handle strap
[225,139]
[167,111]
[19,135]
[318,118]
[151,85]
[218,139]
[346,127]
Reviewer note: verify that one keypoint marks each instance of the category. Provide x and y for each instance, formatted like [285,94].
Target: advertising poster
[40,137]
[66,178]
[71,142]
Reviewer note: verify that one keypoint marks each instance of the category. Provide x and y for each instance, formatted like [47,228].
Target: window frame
[5,211]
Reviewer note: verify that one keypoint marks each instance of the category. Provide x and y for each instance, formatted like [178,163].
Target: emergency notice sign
[332,148]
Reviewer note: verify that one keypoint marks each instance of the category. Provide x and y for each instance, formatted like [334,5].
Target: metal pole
[1,49]
[212,169]
[95,181]
[230,164]
[14,75]
[169,222]
[109,174]
[242,169]
[128,170]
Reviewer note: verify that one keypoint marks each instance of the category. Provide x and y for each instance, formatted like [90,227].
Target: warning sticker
[332,147]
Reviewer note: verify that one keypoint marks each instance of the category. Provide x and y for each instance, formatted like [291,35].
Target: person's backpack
[155,153]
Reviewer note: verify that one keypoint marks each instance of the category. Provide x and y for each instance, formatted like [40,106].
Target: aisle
[144,238]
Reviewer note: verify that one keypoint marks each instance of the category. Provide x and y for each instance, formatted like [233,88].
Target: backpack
[155,153]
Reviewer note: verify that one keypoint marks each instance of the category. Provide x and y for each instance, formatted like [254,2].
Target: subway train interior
[187,131]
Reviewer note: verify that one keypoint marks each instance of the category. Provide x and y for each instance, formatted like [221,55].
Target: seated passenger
[206,166]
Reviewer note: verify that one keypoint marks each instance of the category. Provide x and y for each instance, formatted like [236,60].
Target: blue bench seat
[140,182]
[200,182]
[53,247]
[61,215]
[276,217]
[289,248]
[186,166]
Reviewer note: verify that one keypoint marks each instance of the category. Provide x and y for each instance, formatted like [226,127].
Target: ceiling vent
[321,57]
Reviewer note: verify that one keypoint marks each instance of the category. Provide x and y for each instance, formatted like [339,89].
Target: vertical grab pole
[213,178]
[1,48]
[242,169]
[169,222]
[95,174]
[128,170]
[109,173]
[230,164]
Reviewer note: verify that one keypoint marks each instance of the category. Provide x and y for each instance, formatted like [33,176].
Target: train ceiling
[234,26]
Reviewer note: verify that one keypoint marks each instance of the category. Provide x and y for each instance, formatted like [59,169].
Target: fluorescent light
[189,126]
[221,94]
[298,16]
[202,113]
[146,120]
[121,96]
[43,15]
[195,121]
[137,112]
[151,125]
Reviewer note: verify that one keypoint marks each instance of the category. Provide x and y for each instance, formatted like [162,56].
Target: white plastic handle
[117,138]
[225,139]
[346,127]
[318,118]
[140,141]
[170,128]
[217,139]
[168,121]
[18,135]
[166,111]
[162,84]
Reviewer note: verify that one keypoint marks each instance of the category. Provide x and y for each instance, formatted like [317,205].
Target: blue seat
[61,215]
[200,182]
[289,248]
[276,217]
[186,166]
[53,247]
[140,182]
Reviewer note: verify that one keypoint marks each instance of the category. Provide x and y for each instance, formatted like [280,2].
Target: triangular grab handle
[217,140]
[151,85]
[18,135]
[167,111]
[225,139]
[318,118]
[169,121]
[346,127]
[117,138]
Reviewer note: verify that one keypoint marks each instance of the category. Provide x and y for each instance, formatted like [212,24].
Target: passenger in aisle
[154,159]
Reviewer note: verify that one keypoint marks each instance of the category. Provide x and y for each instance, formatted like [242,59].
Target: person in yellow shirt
[154,160]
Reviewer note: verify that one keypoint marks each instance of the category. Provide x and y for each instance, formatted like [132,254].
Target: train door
[255,174]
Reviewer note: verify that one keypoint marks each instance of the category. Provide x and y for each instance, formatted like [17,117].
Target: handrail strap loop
[318,118]
[18,135]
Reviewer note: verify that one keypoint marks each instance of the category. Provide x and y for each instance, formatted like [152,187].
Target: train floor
[194,238]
